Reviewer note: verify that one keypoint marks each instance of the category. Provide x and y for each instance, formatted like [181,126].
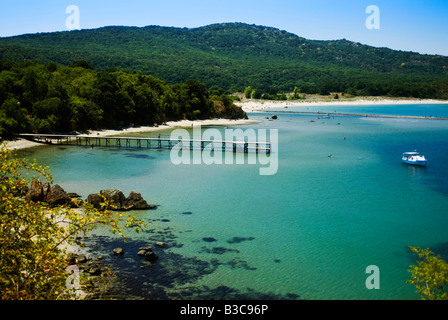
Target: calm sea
[308,232]
[421,110]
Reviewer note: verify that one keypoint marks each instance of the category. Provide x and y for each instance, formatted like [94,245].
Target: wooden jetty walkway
[149,143]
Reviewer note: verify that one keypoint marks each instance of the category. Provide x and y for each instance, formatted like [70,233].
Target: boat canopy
[411,154]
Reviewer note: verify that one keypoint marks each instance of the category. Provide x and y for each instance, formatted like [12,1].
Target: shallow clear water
[421,110]
[310,231]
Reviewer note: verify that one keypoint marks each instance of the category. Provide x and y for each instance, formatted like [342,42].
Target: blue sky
[409,25]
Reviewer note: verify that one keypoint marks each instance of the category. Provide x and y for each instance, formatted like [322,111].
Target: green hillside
[235,55]
[52,99]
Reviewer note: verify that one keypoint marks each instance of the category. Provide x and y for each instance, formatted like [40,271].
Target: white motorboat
[414,158]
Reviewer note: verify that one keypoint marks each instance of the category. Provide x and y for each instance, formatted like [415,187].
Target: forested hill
[235,55]
[50,98]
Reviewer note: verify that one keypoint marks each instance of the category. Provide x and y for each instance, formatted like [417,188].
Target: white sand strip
[259,105]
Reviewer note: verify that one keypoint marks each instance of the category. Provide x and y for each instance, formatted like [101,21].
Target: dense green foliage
[35,238]
[430,276]
[52,98]
[235,55]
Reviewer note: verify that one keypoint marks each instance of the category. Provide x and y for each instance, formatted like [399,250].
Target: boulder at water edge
[45,192]
[118,201]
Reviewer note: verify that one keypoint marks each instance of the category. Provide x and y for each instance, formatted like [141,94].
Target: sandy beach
[24,144]
[260,105]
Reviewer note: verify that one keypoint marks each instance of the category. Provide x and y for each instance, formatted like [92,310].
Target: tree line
[50,98]
[419,90]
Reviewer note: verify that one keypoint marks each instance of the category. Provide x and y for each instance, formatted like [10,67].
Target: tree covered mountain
[236,55]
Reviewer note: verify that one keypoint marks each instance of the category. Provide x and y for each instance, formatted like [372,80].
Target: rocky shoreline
[145,268]
[55,196]
[118,201]
[97,280]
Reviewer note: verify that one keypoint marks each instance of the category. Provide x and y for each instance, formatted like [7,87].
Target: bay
[308,232]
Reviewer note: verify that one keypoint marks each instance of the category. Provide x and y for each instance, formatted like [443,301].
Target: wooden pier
[149,143]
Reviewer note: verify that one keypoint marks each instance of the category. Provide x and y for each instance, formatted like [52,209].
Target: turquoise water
[421,110]
[308,232]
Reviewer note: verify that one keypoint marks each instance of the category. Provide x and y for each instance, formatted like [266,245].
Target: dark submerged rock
[82,259]
[147,253]
[94,270]
[151,256]
[118,251]
[240,239]
[141,253]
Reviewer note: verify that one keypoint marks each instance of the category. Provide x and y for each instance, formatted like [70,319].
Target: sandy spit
[260,105]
